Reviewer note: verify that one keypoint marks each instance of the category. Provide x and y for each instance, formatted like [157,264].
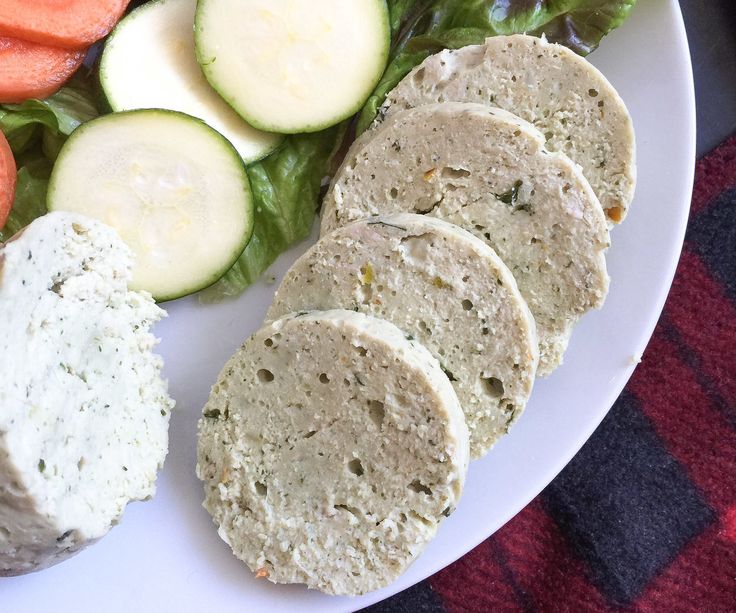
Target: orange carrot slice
[7,179]
[28,70]
[60,23]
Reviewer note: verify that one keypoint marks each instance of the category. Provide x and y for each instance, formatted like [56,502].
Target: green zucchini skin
[240,102]
[90,139]
[149,62]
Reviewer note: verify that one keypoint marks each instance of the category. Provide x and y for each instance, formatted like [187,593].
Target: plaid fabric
[644,517]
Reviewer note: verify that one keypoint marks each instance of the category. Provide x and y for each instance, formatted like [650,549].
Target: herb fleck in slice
[449,374]
[510,197]
[388,225]
[367,274]
[64,536]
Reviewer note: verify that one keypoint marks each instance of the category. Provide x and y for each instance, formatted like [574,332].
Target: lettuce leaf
[286,188]
[30,196]
[25,125]
[421,28]
[36,130]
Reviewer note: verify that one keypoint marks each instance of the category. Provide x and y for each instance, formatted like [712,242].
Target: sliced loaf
[331,448]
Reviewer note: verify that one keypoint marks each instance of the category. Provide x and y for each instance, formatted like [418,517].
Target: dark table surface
[711,31]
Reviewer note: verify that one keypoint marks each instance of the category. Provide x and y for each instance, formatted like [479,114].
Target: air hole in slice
[356,467]
[261,489]
[421,518]
[377,412]
[454,173]
[418,487]
[323,378]
[264,375]
[493,386]
[349,509]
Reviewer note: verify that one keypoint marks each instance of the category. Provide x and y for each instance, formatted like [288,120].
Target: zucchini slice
[174,189]
[293,65]
[149,62]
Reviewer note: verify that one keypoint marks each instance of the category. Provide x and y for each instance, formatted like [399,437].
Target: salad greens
[286,185]
[36,130]
[30,196]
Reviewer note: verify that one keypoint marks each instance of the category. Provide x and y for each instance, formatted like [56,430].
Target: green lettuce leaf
[421,28]
[30,196]
[286,188]
[398,11]
[26,124]
[36,130]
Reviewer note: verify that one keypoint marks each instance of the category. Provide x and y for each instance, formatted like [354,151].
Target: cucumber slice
[149,62]
[293,66]
[174,189]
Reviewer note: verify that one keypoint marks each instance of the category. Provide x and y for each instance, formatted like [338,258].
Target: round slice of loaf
[85,412]
[488,172]
[562,94]
[331,448]
[440,285]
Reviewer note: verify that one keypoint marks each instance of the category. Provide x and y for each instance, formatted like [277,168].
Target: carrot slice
[28,70]
[7,179]
[62,23]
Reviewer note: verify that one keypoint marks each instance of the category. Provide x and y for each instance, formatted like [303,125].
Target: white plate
[166,555]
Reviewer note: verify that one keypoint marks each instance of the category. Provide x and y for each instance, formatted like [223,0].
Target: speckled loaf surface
[487,171]
[331,448]
[442,286]
[85,412]
[562,94]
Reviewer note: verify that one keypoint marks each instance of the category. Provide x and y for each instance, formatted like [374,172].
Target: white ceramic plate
[166,555]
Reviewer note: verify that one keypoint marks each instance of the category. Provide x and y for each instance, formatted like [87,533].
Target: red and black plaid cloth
[644,518]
